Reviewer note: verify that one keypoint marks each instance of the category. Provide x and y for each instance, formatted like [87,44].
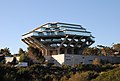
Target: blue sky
[101,17]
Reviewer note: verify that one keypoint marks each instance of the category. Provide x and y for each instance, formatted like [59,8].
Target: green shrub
[113,75]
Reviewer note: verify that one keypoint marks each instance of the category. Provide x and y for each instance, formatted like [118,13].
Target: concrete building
[59,38]
[63,43]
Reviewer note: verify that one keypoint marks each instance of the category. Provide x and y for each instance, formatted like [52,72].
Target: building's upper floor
[57,28]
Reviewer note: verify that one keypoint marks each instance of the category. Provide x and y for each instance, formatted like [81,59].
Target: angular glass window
[35,33]
[52,33]
[48,40]
[83,40]
[53,25]
[56,28]
[42,40]
[60,33]
[58,44]
[40,33]
[47,29]
[56,39]
[71,45]
[62,38]
[53,45]
[69,39]
[51,28]
[76,40]
[65,45]
[48,33]
[87,43]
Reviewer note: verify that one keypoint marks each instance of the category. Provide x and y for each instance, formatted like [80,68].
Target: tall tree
[35,54]
[21,51]
[23,56]
[91,51]
[6,51]
[14,61]
[2,56]
[116,47]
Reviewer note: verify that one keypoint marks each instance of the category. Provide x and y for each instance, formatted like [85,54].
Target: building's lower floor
[69,59]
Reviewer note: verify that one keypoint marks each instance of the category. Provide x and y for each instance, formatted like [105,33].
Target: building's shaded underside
[59,38]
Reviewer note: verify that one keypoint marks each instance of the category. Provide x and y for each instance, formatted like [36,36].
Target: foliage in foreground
[38,72]
[113,75]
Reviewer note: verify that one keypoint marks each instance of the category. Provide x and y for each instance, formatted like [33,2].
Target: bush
[23,74]
[84,76]
[113,75]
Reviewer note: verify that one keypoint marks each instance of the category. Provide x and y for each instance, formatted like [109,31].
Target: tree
[112,75]
[84,76]
[2,56]
[35,54]
[96,61]
[6,51]
[2,59]
[14,61]
[23,58]
[91,51]
[116,47]
[64,78]
[21,51]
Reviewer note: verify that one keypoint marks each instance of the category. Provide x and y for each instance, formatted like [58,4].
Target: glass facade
[68,25]
[77,33]
[60,29]
[60,33]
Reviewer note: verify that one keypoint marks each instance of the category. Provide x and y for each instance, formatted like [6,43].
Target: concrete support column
[72,50]
[66,51]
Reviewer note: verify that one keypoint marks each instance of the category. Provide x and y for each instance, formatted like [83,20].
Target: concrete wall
[77,59]
[58,59]
[69,59]
[10,59]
